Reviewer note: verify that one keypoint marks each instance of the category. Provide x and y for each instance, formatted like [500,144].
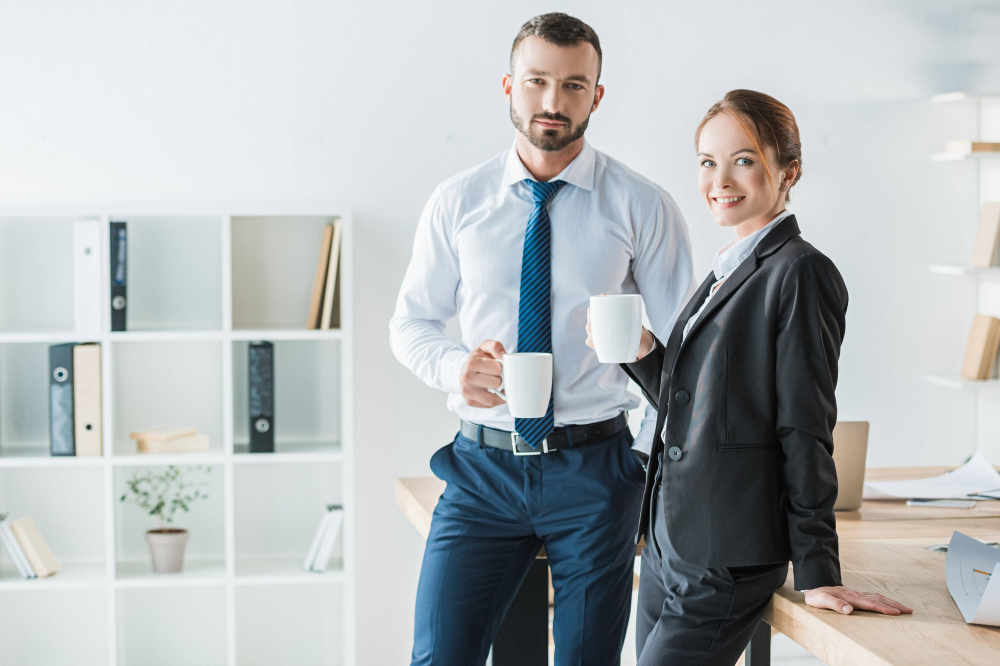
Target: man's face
[552,91]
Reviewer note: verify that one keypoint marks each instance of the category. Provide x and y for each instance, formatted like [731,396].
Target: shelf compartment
[204,554]
[299,625]
[166,383]
[170,626]
[53,628]
[307,392]
[174,277]
[278,509]
[273,267]
[36,274]
[66,505]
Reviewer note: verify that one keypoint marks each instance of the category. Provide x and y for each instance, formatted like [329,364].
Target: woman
[741,479]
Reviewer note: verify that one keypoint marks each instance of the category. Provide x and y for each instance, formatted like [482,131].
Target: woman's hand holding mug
[617,318]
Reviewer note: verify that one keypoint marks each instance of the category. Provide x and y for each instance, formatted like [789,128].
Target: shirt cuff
[451,370]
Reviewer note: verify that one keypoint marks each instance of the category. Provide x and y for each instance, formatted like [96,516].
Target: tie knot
[543,192]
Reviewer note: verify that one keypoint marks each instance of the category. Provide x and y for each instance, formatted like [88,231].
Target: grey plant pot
[167,549]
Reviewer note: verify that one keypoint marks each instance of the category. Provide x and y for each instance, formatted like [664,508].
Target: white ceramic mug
[616,327]
[526,382]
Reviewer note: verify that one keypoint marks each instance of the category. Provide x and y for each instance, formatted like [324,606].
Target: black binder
[62,441]
[119,275]
[261,381]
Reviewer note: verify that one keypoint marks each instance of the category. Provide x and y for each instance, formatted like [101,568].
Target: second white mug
[526,382]
[616,327]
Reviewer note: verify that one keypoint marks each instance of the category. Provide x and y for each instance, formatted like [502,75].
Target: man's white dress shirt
[612,232]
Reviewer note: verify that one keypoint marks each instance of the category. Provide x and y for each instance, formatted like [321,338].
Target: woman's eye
[707,163]
[744,161]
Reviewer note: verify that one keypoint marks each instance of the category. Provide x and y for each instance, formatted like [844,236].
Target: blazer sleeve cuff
[817,574]
[646,371]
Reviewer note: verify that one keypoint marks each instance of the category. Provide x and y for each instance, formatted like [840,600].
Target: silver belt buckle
[513,445]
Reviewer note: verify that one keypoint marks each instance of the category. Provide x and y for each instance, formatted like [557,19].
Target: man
[516,247]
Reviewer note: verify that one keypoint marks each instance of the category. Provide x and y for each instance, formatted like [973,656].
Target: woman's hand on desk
[844,600]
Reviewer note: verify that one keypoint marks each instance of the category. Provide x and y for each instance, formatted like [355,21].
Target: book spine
[14,549]
[317,540]
[27,548]
[329,540]
[87,277]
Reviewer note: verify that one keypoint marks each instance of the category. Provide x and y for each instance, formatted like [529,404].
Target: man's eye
[534,80]
[576,86]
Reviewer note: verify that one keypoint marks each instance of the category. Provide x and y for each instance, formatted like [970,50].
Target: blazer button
[675,453]
[682,397]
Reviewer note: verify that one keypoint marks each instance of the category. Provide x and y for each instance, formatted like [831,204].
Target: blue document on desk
[972,571]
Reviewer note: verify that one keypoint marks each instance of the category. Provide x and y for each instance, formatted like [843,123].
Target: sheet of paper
[972,571]
[975,476]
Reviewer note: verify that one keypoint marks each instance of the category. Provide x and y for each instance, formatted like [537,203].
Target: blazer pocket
[748,446]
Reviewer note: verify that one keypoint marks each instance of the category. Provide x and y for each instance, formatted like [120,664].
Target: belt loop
[479,435]
[569,436]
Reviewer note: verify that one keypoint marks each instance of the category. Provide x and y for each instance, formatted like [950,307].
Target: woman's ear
[788,175]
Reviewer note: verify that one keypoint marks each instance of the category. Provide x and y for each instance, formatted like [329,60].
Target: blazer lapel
[676,333]
[771,243]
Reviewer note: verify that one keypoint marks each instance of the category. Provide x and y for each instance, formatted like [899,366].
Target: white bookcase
[975,117]
[201,285]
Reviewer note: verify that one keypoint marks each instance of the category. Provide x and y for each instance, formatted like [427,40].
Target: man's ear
[507,82]
[598,96]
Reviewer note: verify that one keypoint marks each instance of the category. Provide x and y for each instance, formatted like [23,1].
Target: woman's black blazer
[748,475]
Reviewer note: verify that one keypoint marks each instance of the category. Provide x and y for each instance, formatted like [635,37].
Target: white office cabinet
[201,286]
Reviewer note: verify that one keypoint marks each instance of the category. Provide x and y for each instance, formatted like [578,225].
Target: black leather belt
[561,438]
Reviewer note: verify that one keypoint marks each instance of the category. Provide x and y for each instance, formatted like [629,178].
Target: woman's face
[732,178]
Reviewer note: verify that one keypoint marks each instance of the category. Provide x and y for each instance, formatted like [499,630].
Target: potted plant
[163,493]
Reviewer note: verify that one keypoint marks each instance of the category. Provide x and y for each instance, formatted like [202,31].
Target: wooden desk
[881,550]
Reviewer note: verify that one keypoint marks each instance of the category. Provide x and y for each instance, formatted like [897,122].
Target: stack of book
[324,304]
[75,399]
[318,558]
[27,548]
[169,439]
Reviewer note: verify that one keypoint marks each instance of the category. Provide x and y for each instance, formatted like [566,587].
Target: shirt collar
[579,172]
[735,252]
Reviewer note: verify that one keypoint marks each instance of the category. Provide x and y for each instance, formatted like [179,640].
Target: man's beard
[549,139]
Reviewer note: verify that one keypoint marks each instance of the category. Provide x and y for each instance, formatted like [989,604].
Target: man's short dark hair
[561,30]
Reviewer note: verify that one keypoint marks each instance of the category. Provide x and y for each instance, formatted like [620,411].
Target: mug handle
[496,391]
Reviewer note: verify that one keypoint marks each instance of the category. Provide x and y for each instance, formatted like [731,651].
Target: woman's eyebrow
[744,150]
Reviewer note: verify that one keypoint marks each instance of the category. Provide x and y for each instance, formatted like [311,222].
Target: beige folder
[87,399]
[35,549]
[981,350]
[331,299]
[319,280]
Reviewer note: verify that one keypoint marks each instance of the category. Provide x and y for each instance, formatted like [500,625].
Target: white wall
[371,104]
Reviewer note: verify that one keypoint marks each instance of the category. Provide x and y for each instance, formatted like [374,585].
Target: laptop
[850,446]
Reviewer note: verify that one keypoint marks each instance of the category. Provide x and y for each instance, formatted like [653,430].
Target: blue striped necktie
[534,311]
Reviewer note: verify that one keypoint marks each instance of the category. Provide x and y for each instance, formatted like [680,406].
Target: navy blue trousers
[496,513]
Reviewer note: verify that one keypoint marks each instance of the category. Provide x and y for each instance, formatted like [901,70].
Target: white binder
[87,277]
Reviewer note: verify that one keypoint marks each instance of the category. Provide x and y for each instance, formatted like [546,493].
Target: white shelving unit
[201,285]
[979,117]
